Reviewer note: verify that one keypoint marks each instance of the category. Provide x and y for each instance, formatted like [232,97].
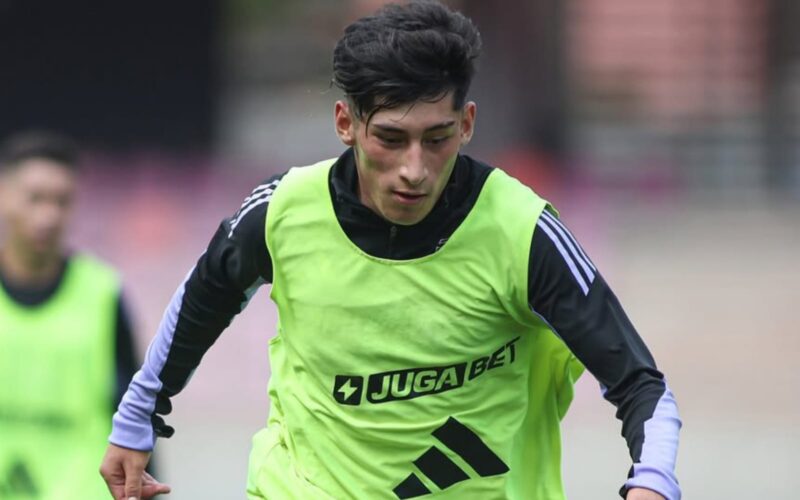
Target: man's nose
[413,170]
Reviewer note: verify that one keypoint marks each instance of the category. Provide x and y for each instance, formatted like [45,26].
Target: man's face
[406,154]
[36,199]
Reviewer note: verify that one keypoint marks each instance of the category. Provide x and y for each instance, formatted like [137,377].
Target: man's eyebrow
[390,128]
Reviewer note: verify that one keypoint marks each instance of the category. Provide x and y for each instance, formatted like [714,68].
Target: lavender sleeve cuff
[656,467]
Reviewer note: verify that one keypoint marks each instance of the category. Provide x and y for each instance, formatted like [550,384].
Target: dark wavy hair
[31,144]
[419,51]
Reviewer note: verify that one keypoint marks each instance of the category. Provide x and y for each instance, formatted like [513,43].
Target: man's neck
[26,268]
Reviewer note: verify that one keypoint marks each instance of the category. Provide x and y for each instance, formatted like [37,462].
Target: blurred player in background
[431,307]
[66,353]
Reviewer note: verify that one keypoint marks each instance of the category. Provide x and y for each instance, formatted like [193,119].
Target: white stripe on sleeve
[260,195]
[564,253]
[570,235]
[246,211]
[579,256]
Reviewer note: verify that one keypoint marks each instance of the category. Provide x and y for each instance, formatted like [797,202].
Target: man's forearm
[132,423]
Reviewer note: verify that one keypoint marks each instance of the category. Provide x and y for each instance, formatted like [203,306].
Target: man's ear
[345,123]
[468,122]
[5,193]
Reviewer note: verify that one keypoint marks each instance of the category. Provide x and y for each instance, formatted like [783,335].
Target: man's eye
[437,140]
[390,140]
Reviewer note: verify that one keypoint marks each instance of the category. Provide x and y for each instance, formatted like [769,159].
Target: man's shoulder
[308,173]
[501,175]
[481,174]
[87,268]
[503,188]
[256,206]
[306,180]
[292,175]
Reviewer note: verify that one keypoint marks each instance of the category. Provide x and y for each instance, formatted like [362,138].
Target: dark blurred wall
[114,74]
[783,93]
[522,75]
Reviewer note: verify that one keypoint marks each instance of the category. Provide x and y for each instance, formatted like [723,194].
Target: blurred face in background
[36,199]
[405,155]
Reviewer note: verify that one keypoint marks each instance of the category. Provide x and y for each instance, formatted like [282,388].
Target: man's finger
[133,481]
[117,491]
[151,490]
[115,481]
[151,487]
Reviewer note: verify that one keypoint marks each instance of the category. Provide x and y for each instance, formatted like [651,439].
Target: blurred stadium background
[666,131]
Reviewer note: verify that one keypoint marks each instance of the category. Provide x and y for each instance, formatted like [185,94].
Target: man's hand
[123,471]
[643,494]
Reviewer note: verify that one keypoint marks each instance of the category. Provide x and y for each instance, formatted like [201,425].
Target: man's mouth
[408,197]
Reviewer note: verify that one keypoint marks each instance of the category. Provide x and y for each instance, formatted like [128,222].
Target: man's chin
[402,218]
[43,250]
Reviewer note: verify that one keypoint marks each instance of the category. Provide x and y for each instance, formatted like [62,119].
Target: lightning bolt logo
[347,389]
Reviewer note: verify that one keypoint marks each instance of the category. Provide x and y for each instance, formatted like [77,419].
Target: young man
[65,341]
[429,305]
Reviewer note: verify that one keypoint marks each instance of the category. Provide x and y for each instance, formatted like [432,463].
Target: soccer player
[431,308]
[66,353]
